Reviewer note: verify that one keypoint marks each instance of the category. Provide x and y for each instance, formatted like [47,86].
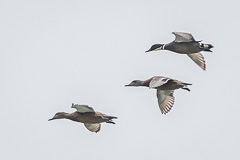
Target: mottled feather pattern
[86,115]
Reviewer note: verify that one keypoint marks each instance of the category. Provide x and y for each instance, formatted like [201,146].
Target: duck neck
[168,46]
[74,116]
[163,47]
[146,83]
[68,116]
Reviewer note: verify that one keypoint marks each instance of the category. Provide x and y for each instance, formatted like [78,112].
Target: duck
[165,88]
[92,120]
[184,43]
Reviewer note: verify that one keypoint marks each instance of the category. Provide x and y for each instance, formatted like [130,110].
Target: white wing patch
[183,37]
[165,100]
[198,59]
[158,81]
[83,108]
[93,127]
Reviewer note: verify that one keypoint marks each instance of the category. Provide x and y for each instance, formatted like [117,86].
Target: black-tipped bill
[148,50]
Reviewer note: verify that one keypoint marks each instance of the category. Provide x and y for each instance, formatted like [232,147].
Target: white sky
[54,53]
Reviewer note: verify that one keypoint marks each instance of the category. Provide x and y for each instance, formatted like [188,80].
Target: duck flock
[184,43]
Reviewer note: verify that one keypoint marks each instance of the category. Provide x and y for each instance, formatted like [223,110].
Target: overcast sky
[54,53]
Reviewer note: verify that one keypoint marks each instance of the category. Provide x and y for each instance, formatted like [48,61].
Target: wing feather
[165,100]
[183,37]
[198,59]
[83,108]
[158,81]
[93,127]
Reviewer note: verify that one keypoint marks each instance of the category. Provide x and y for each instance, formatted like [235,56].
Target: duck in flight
[85,114]
[184,43]
[165,87]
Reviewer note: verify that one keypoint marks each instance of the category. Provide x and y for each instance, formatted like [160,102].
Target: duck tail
[110,122]
[206,47]
[185,86]
[112,117]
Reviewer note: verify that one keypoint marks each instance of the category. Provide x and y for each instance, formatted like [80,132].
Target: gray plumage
[184,43]
[165,88]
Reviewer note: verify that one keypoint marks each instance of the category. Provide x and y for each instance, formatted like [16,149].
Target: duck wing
[198,59]
[83,108]
[158,81]
[93,127]
[183,37]
[165,100]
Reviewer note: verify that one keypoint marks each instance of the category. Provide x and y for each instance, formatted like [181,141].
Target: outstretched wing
[83,108]
[198,59]
[93,127]
[183,37]
[158,81]
[165,100]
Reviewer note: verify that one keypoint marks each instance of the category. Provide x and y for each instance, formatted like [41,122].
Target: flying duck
[184,43]
[165,87]
[86,115]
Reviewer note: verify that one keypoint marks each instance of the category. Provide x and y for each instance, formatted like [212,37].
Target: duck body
[171,85]
[160,82]
[85,114]
[183,47]
[89,117]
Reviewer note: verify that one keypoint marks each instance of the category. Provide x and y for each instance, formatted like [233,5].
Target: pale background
[55,52]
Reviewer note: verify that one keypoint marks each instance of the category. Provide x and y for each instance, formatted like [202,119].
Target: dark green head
[156,47]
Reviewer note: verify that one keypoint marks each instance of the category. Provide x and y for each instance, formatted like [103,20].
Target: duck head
[135,83]
[58,115]
[156,47]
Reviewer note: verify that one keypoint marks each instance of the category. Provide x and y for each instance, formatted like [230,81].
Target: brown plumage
[86,115]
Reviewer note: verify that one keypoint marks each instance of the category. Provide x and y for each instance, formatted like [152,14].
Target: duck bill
[148,50]
[51,119]
[128,85]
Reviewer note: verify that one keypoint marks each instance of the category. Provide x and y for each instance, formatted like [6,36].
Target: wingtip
[204,67]
[164,113]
